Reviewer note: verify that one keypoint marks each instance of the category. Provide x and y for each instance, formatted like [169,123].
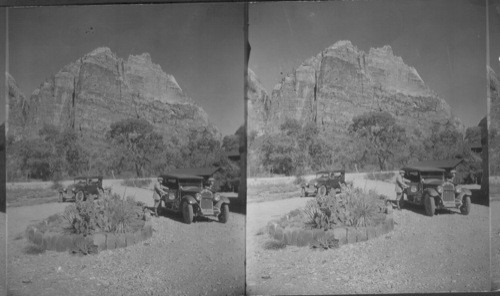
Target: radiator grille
[206,204]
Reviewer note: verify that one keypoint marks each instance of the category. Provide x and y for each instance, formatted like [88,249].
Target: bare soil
[204,258]
[495,234]
[445,253]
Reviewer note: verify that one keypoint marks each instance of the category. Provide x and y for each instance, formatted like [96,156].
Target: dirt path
[448,252]
[495,234]
[204,258]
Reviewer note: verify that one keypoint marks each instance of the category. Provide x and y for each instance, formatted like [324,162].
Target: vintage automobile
[431,188]
[324,182]
[81,188]
[187,195]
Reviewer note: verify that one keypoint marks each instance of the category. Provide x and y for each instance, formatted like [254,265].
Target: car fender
[432,192]
[189,199]
[221,202]
[465,192]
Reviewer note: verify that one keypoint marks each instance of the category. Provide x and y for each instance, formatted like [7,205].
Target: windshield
[432,175]
[184,183]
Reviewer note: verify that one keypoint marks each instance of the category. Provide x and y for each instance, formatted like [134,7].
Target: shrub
[108,214]
[352,207]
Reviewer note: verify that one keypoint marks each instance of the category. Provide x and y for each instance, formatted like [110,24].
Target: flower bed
[91,226]
[330,221]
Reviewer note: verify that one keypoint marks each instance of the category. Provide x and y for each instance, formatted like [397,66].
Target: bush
[352,207]
[108,214]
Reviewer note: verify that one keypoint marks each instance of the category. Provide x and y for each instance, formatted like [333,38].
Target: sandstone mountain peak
[340,82]
[101,88]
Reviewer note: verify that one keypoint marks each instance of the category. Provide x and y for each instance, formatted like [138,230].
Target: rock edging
[344,235]
[103,241]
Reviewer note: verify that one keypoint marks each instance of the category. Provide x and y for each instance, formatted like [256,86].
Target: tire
[303,192]
[465,208]
[224,214]
[187,212]
[322,191]
[430,206]
[79,196]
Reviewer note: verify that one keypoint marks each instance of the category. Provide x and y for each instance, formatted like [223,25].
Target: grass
[32,249]
[274,245]
[31,196]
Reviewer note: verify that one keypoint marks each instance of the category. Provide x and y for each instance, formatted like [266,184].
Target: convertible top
[331,171]
[446,164]
[88,177]
[423,169]
[202,171]
[180,176]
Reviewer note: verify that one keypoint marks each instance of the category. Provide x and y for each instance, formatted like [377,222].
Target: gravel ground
[3,254]
[448,252]
[204,258]
[495,234]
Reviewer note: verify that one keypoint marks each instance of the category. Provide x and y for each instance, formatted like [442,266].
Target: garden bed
[92,226]
[331,221]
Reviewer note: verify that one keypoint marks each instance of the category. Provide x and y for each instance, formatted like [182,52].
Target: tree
[202,149]
[135,143]
[379,136]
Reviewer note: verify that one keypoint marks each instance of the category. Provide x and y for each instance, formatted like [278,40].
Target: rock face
[258,104]
[101,88]
[341,82]
[494,123]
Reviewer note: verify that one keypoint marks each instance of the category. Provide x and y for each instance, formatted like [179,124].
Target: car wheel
[322,191]
[465,208]
[80,196]
[187,212]
[304,192]
[224,214]
[430,206]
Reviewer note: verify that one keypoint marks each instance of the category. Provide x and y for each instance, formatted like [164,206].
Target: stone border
[344,235]
[104,241]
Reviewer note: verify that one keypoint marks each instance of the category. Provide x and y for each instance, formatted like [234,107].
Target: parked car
[430,188]
[81,188]
[324,182]
[187,195]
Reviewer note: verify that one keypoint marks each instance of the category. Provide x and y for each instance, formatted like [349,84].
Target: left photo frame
[124,142]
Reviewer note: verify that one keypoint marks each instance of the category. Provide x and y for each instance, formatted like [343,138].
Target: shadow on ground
[479,198]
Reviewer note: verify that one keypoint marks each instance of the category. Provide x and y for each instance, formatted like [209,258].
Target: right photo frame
[368,132]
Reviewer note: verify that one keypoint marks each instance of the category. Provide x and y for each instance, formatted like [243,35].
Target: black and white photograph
[367,163]
[493,137]
[124,139]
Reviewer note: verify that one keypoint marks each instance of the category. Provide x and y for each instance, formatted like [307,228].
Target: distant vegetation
[374,141]
[132,149]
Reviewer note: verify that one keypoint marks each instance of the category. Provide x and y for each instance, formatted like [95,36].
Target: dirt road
[204,258]
[495,234]
[447,252]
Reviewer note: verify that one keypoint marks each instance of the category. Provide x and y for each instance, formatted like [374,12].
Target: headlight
[458,190]
[216,197]
[413,188]
[315,184]
[439,189]
[73,190]
[198,196]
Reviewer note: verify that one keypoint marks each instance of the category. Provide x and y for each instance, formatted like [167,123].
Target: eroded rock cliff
[341,82]
[101,88]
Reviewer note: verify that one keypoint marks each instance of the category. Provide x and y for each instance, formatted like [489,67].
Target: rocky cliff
[341,82]
[101,88]
[494,123]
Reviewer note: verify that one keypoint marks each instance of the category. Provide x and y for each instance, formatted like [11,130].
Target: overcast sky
[445,40]
[201,45]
